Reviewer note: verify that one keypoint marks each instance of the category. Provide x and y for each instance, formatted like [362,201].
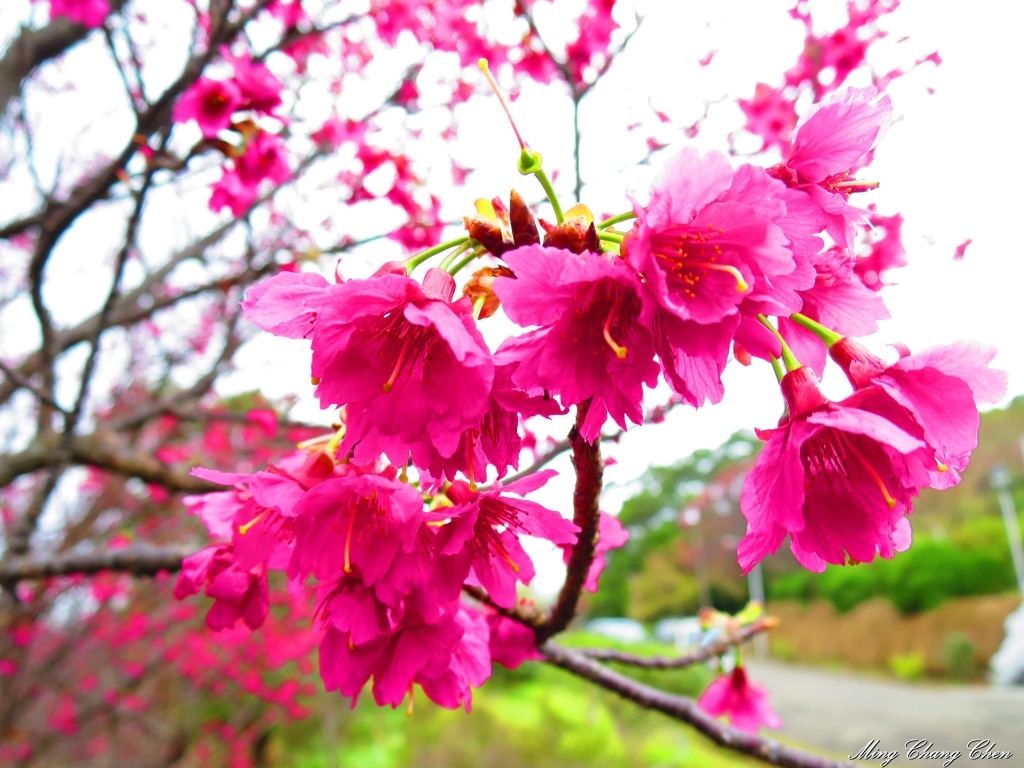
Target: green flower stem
[468,259]
[454,254]
[478,305]
[777,367]
[419,258]
[787,354]
[616,219]
[613,237]
[550,192]
[827,335]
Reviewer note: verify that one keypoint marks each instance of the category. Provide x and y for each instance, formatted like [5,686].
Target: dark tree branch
[34,47]
[586,461]
[684,709]
[137,559]
[713,650]
[103,450]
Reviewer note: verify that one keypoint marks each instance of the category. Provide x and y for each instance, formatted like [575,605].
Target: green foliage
[958,655]
[908,666]
[920,579]
[652,516]
[661,589]
[537,715]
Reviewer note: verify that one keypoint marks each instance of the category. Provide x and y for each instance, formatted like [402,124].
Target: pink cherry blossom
[238,593]
[714,245]
[264,158]
[261,90]
[838,479]
[483,536]
[743,702]
[885,250]
[771,116]
[595,339]
[939,388]
[832,139]
[444,651]
[88,13]
[838,300]
[211,103]
[409,364]
[354,524]
[286,304]
[232,192]
[511,643]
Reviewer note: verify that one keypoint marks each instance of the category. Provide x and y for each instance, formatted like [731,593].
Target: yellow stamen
[314,380]
[620,351]
[398,363]
[741,284]
[348,542]
[856,183]
[889,500]
[244,529]
[408,711]
[941,467]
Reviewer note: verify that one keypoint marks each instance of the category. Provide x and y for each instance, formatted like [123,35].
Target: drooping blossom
[88,13]
[232,192]
[511,642]
[482,536]
[594,339]
[839,480]
[211,103]
[610,535]
[444,650]
[493,441]
[831,140]
[409,364]
[238,593]
[745,703]
[264,158]
[711,248]
[939,388]
[356,523]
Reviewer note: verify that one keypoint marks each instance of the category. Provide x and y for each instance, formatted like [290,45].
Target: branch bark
[586,461]
[711,651]
[137,559]
[686,710]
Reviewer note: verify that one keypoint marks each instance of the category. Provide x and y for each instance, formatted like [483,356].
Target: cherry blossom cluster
[716,251]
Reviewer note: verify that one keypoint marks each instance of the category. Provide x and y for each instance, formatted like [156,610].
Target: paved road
[841,713]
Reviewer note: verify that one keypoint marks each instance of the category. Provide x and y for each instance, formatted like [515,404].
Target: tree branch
[137,559]
[103,450]
[684,709]
[711,651]
[586,460]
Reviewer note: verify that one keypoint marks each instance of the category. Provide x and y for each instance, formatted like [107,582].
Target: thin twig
[711,651]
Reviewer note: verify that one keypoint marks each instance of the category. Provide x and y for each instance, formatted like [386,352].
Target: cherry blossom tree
[150,234]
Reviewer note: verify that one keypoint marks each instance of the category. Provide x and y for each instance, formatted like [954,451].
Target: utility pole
[1000,479]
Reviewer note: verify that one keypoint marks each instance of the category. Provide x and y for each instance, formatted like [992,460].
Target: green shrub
[958,655]
[908,666]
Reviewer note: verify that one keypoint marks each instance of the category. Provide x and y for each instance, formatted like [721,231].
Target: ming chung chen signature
[922,749]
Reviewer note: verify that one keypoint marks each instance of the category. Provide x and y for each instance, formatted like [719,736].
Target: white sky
[946,165]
